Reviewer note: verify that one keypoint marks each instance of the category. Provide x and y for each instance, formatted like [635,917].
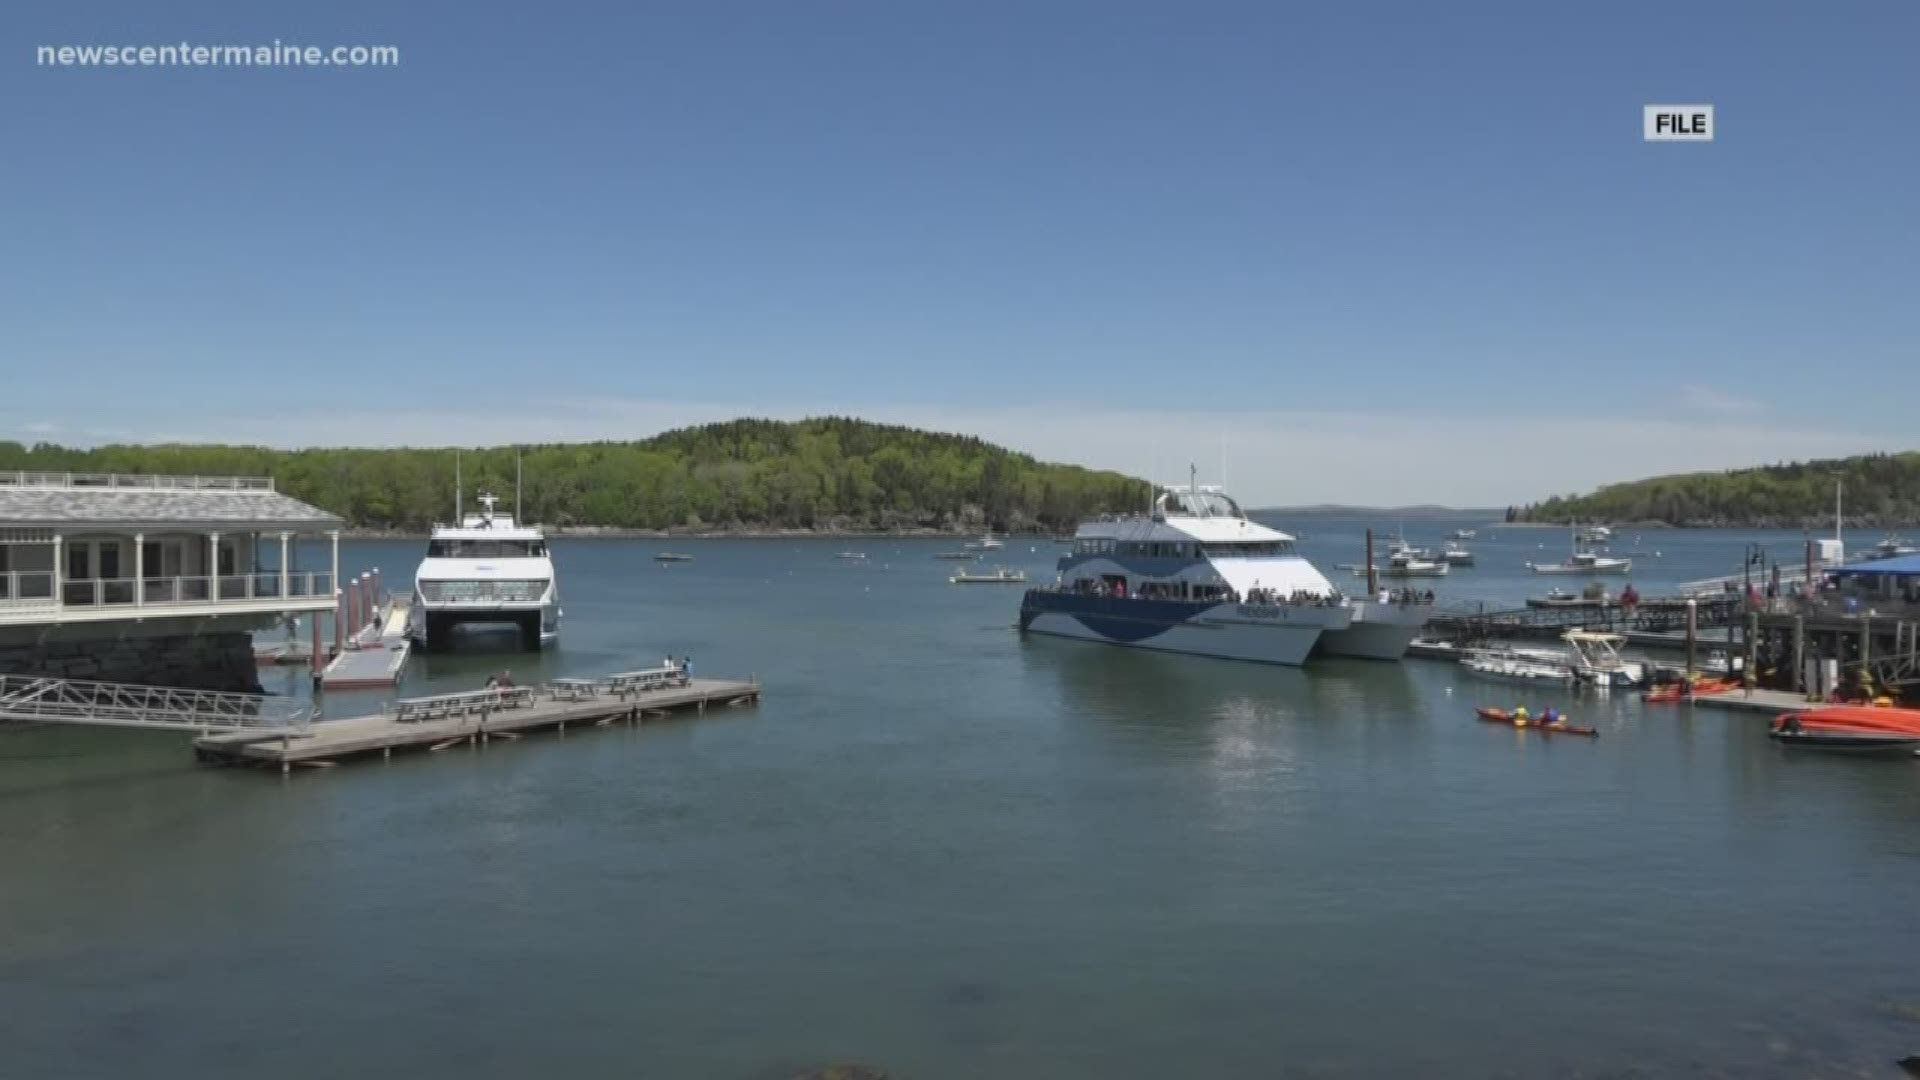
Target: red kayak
[1502,716]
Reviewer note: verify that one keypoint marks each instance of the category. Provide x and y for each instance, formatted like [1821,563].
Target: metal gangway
[33,699]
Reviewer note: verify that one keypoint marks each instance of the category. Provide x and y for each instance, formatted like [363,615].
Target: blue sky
[1371,252]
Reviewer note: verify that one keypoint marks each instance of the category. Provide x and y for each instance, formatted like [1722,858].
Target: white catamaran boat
[1193,576]
[486,569]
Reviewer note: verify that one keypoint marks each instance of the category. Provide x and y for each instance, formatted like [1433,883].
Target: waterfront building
[152,579]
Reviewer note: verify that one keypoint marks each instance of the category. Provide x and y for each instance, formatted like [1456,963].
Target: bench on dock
[573,689]
[447,706]
[629,682]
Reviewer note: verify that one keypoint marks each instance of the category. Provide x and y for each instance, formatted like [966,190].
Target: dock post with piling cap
[339,621]
[1373,581]
[1693,630]
[1800,653]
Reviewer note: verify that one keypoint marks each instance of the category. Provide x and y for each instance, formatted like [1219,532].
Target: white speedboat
[1193,576]
[1002,575]
[851,555]
[1462,534]
[1596,534]
[986,543]
[1595,658]
[486,569]
[1406,563]
[1455,555]
[1515,664]
[1584,562]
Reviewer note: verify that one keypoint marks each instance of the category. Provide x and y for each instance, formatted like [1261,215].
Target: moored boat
[851,555]
[672,556]
[1850,729]
[486,569]
[1516,664]
[1000,575]
[969,555]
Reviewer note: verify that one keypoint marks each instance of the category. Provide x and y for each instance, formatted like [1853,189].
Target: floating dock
[375,655]
[444,721]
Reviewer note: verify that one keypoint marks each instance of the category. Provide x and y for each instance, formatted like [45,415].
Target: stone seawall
[207,661]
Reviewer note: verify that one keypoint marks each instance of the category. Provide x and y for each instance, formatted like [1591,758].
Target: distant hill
[1881,491]
[827,473]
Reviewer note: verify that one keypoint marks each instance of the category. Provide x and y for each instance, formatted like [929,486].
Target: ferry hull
[1274,635]
[432,628]
[1378,631]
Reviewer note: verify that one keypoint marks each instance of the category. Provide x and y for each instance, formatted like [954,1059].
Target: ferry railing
[34,699]
[137,482]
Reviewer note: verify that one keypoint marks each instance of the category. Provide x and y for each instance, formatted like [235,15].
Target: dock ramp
[36,700]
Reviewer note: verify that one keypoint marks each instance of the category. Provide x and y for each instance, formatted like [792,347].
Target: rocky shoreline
[595,532]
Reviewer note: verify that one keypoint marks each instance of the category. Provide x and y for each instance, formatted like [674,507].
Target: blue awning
[1901,566]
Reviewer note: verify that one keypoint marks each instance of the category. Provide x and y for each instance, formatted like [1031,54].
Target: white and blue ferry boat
[1194,576]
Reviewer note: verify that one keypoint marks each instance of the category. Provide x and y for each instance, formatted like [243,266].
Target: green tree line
[824,473]
[1880,491]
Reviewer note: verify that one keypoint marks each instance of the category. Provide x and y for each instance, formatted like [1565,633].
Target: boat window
[1199,504]
[1248,549]
[486,549]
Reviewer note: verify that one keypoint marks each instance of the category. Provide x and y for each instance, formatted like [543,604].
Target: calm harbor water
[946,851]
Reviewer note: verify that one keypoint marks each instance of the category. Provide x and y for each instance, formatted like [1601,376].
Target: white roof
[1205,530]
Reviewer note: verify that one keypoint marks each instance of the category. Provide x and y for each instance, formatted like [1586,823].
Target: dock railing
[77,701]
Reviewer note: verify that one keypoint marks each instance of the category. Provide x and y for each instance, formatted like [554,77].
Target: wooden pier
[447,720]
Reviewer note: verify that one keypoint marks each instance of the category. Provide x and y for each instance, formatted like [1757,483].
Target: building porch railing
[36,588]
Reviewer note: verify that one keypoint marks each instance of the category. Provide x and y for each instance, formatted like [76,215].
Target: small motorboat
[1840,731]
[672,556]
[851,555]
[1517,664]
[999,576]
[1559,727]
[1462,534]
[1455,555]
[968,555]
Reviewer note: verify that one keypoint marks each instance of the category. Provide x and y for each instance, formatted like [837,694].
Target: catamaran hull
[432,629]
[1378,631]
[1266,634]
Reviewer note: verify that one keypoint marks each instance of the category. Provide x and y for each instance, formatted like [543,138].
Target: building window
[79,563]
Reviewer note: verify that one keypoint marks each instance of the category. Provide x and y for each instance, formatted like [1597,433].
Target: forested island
[824,474]
[1880,491]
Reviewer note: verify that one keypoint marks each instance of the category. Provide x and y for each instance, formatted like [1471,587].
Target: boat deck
[563,702]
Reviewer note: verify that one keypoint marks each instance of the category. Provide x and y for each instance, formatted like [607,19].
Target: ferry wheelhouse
[1194,576]
[487,569]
